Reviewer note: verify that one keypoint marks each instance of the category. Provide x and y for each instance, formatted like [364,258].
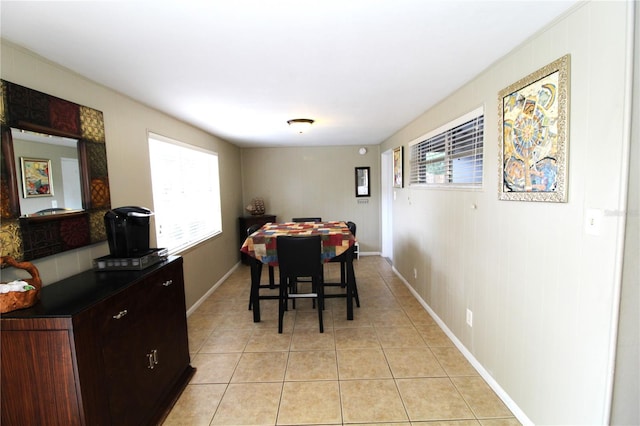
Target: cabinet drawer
[166,290]
[121,311]
[162,292]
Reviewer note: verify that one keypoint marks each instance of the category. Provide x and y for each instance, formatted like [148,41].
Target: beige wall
[543,292]
[126,126]
[316,181]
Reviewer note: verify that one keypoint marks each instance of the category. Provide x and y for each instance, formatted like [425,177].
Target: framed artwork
[398,182]
[363,185]
[36,177]
[533,120]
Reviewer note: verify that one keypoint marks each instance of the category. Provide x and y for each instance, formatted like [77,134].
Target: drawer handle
[120,314]
[152,358]
[167,283]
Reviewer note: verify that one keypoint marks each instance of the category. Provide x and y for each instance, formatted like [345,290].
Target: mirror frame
[30,237]
[366,171]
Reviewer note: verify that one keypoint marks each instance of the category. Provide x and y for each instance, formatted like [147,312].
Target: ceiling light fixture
[300,125]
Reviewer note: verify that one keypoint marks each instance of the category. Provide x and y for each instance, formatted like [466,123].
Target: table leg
[256,272]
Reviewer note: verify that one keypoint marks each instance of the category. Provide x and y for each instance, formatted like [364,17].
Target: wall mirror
[64,209]
[363,185]
[48,173]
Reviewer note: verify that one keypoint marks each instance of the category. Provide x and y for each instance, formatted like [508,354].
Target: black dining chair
[257,264]
[342,259]
[299,256]
[306,219]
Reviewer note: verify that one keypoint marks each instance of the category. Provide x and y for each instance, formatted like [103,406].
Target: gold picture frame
[533,132]
[398,159]
[36,177]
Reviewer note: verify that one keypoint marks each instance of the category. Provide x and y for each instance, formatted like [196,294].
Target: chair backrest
[352,227]
[299,256]
[306,219]
[253,228]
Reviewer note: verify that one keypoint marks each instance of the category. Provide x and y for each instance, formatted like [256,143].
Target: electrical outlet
[54,204]
[415,273]
[469,318]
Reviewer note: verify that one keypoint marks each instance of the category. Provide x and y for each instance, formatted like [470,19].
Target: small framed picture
[36,177]
[398,159]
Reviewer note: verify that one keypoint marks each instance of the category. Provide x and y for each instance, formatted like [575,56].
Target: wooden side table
[246,221]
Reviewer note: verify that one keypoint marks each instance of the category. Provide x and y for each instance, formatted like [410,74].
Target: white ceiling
[240,69]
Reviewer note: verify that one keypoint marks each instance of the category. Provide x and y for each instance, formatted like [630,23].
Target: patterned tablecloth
[336,239]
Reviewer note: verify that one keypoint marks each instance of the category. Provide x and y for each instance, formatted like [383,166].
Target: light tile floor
[391,365]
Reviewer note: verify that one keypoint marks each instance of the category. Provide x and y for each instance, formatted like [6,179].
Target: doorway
[386,214]
[71,183]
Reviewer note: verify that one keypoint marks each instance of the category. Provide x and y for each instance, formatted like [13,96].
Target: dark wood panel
[17,324]
[38,381]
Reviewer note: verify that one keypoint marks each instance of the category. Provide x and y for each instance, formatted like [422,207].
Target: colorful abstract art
[533,135]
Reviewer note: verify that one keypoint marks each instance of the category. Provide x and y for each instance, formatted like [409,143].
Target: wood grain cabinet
[100,348]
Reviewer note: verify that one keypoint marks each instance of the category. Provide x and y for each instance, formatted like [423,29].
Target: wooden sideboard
[99,348]
[246,221]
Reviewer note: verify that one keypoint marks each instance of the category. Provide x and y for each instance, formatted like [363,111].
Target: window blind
[451,155]
[186,193]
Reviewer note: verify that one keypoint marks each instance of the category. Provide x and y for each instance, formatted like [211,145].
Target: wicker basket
[15,300]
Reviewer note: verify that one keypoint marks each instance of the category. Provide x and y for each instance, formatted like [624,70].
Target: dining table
[261,246]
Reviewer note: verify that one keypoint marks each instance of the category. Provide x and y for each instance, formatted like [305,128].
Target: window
[450,155]
[186,193]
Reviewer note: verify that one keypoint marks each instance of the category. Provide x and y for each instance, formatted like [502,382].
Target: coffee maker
[128,231]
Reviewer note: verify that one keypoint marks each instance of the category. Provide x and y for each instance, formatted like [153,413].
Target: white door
[71,183]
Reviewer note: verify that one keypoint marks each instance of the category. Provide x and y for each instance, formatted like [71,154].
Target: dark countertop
[72,295]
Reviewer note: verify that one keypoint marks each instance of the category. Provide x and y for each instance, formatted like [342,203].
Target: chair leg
[355,292]
[293,288]
[343,280]
[282,303]
[256,271]
[320,292]
[254,298]
[315,290]
[272,281]
[313,305]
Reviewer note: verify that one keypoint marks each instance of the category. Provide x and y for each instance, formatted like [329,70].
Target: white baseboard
[502,394]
